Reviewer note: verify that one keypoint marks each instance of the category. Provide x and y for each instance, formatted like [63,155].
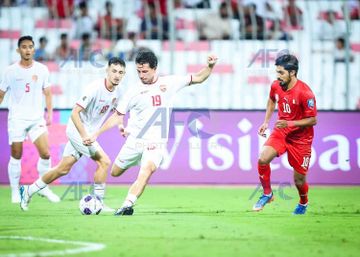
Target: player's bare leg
[137,188]
[268,153]
[61,169]
[14,170]
[44,165]
[117,171]
[303,188]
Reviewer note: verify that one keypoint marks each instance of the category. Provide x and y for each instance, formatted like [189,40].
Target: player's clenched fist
[212,59]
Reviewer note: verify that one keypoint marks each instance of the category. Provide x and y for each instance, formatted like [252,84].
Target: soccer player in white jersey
[26,82]
[87,117]
[149,104]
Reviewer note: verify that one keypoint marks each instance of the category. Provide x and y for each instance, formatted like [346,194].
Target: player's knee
[45,156]
[116,172]
[262,160]
[299,181]
[105,162]
[16,155]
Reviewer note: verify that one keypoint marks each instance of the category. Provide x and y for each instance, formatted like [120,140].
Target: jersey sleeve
[46,82]
[272,94]
[124,103]
[86,98]
[179,82]
[5,81]
[308,103]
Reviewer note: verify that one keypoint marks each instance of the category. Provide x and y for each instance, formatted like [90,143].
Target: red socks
[303,192]
[264,175]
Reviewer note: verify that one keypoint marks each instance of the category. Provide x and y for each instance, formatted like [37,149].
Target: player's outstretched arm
[2,94]
[270,107]
[116,118]
[49,108]
[75,117]
[205,72]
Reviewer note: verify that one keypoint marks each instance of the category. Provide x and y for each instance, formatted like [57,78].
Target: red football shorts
[298,154]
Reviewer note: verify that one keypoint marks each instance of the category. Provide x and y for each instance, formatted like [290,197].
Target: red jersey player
[293,132]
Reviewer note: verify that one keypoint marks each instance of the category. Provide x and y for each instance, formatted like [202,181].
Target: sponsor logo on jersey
[113,102]
[101,100]
[34,78]
[163,88]
[144,92]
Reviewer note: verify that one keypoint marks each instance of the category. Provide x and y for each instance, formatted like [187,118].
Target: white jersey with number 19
[150,107]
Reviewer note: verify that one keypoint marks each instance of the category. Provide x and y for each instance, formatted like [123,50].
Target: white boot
[50,195]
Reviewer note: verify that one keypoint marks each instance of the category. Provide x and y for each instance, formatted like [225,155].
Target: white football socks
[99,190]
[130,200]
[36,186]
[43,166]
[14,171]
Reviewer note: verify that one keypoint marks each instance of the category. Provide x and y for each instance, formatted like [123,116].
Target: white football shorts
[75,147]
[138,152]
[18,130]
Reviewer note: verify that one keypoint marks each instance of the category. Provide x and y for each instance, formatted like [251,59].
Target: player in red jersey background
[293,132]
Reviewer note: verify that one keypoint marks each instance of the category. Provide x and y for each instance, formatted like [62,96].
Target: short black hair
[147,56]
[288,61]
[23,38]
[63,36]
[116,60]
[341,40]
[42,39]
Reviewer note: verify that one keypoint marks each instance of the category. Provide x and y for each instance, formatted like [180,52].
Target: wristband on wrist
[291,123]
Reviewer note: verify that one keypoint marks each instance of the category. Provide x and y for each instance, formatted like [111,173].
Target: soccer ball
[90,205]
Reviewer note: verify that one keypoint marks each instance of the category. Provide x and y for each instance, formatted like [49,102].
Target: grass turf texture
[192,221]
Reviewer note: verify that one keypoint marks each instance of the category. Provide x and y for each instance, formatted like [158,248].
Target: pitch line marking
[84,247]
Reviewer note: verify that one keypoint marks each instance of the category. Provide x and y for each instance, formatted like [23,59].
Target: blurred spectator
[161,4]
[340,51]
[64,51]
[7,3]
[83,24]
[40,53]
[130,56]
[293,15]
[252,25]
[358,105]
[330,27]
[109,27]
[196,3]
[353,9]
[216,25]
[60,9]
[85,47]
[153,25]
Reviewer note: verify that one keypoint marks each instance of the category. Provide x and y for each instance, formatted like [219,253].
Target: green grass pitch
[189,221]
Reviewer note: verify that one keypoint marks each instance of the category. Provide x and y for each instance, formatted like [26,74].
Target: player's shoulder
[41,66]
[12,67]
[96,85]
[304,87]
[275,84]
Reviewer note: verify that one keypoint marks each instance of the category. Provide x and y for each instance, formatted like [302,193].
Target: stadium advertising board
[211,147]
